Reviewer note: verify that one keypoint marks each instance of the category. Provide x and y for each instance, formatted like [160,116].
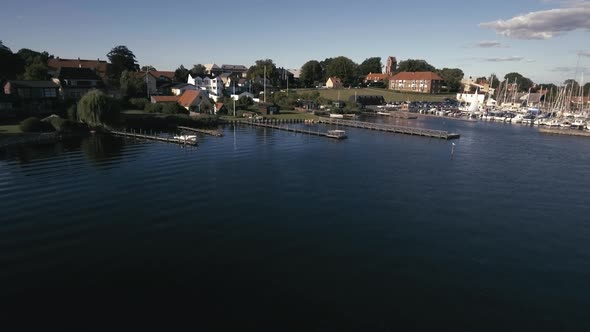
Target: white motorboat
[191,138]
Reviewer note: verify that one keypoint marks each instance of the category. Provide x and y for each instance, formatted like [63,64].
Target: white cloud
[544,24]
[489,44]
[504,59]
[584,53]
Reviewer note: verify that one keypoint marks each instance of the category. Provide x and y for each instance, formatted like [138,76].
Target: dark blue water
[270,230]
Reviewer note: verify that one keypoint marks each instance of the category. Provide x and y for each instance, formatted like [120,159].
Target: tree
[181,74]
[32,57]
[523,83]
[311,72]
[414,65]
[132,86]
[147,68]
[587,89]
[11,65]
[571,83]
[121,59]
[452,77]
[370,65]
[198,70]
[36,71]
[97,109]
[343,68]
[262,66]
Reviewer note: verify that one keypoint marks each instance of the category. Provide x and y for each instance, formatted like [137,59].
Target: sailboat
[473,109]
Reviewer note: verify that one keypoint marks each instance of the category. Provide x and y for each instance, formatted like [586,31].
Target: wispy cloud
[489,44]
[544,24]
[584,53]
[531,61]
[504,59]
[569,69]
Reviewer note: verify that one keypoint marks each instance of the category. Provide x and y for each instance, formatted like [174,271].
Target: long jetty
[291,129]
[153,137]
[391,128]
[202,131]
[564,131]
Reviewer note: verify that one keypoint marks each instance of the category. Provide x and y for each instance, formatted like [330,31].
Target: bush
[153,108]
[97,109]
[173,108]
[34,125]
[138,103]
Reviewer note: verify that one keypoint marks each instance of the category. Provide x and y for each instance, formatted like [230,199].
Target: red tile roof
[99,65]
[377,77]
[165,99]
[189,96]
[418,75]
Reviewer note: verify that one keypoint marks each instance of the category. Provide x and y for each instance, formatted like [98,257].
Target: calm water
[280,231]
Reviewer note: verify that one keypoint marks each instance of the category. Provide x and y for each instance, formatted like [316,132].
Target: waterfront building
[76,82]
[421,82]
[391,66]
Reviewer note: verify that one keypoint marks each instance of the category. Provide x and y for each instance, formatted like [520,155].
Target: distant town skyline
[545,40]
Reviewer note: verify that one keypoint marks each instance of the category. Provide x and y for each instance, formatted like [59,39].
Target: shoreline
[27,138]
[567,132]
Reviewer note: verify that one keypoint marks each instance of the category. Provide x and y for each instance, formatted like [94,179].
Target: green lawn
[389,95]
[135,112]
[10,130]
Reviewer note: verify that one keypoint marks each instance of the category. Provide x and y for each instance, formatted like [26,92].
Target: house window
[50,92]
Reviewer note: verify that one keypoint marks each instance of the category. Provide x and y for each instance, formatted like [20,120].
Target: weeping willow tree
[96,109]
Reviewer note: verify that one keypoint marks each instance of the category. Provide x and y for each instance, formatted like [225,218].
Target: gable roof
[66,73]
[211,66]
[188,98]
[417,75]
[377,77]
[234,67]
[99,65]
[219,106]
[160,73]
[33,84]
[165,99]
[335,80]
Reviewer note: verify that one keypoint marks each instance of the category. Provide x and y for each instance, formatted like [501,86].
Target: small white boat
[338,134]
[191,138]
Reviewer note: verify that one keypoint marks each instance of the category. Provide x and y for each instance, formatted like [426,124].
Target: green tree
[37,70]
[587,89]
[31,56]
[181,74]
[571,83]
[198,70]
[311,73]
[121,59]
[370,65]
[97,109]
[147,68]
[343,68]
[452,77]
[132,85]
[325,64]
[414,65]
[262,66]
[523,83]
[11,65]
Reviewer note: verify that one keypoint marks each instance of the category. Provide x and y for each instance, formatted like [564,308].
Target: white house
[213,85]
[179,89]
[243,94]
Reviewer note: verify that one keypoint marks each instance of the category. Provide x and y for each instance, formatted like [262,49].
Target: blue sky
[545,43]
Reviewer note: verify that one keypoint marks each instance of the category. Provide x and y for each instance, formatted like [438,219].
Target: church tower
[391,65]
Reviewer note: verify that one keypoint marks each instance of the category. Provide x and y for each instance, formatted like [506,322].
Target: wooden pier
[202,131]
[293,129]
[391,128]
[564,131]
[153,137]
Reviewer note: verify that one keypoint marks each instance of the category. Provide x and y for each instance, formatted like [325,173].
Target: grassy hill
[389,95]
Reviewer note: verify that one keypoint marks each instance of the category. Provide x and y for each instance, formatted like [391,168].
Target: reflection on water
[368,233]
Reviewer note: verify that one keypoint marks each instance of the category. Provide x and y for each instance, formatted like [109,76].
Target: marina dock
[202,131]
[153,137]
[564,131]
[330,134]
[392,128]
